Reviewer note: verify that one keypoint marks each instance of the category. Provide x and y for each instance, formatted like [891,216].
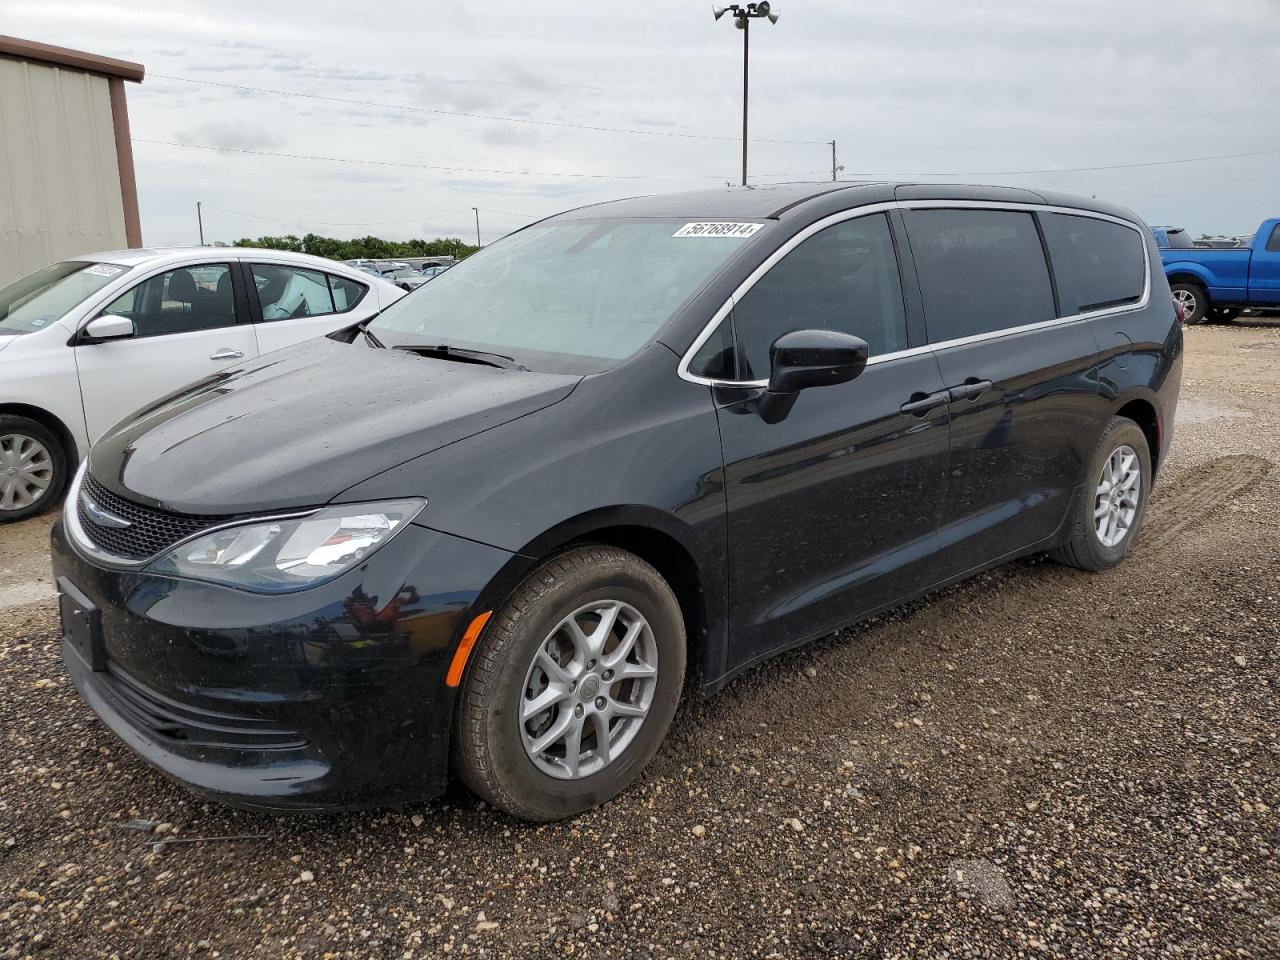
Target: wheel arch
[1186,276]
[1142,411]
[669,546]
[53,424]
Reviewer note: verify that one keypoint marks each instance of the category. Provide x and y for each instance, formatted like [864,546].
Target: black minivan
[500,526]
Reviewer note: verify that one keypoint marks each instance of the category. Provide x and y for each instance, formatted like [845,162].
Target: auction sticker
[104,270]
[717,229]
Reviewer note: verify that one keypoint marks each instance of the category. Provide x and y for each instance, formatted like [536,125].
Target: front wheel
[1194,301]
[33,468]
[1107,516]
[572,685]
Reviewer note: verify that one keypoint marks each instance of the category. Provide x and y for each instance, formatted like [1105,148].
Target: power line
[1103,166]
[334,223]
[440,167]
[467,116]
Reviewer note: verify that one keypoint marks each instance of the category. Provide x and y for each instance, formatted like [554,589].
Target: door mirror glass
[809,358]
[109,327]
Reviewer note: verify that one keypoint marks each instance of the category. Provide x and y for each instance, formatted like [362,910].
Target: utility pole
[833,161]
[477,213]
[743,14]
[200,222]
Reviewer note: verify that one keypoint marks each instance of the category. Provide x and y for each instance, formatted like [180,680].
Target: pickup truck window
[1273,245]
[1180,240]
[1097,263]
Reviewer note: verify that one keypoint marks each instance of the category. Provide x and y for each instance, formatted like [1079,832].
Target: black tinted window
[1274,243]
[1097,263]
[980,271]
[179,301]
[844,278]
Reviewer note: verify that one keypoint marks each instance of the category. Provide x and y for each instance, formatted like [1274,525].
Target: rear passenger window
[1096,263]
[346,293]
[1273,245]
[288,292]
[980,271]
[844,278]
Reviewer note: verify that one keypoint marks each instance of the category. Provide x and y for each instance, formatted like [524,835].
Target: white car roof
[164,255]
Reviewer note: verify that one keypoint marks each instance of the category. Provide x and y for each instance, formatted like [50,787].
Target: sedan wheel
[32,468]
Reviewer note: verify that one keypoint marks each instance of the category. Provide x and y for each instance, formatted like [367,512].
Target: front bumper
[329,698]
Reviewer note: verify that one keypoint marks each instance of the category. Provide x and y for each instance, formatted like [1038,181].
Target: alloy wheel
[1115,503]
[1188,301]
[26,471]
[588,689]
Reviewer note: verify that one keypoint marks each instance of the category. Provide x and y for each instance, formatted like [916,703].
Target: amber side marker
[454,676]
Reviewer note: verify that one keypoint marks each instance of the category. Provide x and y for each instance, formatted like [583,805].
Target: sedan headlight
[287,554]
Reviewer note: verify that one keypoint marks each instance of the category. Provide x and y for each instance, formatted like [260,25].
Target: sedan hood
[298,426]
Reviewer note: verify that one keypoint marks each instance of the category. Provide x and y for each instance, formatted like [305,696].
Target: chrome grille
[149,532]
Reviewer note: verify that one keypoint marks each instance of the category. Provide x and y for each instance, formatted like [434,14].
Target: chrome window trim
[873,208]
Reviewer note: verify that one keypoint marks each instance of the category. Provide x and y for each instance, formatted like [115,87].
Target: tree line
[363,248]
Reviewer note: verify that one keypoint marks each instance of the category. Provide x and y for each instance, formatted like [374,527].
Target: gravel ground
[1037,763]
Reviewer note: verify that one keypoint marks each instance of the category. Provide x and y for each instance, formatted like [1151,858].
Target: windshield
[591,291]
[41,298]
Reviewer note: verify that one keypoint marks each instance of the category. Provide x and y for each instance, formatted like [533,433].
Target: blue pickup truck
[1218,283]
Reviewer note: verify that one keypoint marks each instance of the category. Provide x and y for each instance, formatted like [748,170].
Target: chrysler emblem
[103,517]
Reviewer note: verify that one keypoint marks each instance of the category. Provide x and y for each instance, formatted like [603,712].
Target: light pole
[743,14]
[477,213]
[200,221]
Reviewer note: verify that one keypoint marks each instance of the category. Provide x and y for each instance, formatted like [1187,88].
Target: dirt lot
[1038,763]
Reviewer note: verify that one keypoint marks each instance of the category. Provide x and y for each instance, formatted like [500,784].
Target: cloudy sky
[438,108]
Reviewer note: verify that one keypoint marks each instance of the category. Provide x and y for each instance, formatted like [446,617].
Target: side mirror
[109,327]
[809,358]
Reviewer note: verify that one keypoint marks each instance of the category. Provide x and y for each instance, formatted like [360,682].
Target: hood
[298,426]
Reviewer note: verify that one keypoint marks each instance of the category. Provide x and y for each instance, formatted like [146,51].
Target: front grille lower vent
[149,532]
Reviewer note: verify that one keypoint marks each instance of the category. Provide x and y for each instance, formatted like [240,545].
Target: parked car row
[404,275]
[493,528]
[1216,283]
[85,342]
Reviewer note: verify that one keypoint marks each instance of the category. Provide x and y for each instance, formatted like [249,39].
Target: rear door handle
[922,403]
[971,389]
[226,353]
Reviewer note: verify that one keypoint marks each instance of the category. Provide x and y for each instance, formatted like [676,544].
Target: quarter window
[980,271]
[179,301]
[844,278]
[1096,263]
[288,292]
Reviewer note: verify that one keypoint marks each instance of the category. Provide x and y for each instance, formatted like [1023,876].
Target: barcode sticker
[717,229]
[104,270]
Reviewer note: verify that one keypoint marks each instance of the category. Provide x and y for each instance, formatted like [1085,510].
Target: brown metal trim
[124,160]
[74,59]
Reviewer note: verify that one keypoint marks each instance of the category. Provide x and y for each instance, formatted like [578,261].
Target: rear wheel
[1107,516]
[572,685]
[1194,301]
[33,468]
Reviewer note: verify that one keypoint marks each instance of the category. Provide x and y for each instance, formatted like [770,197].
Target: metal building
[66,164]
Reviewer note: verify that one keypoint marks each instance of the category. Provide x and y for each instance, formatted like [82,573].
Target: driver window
[843,278]
[288,292]
[179,301]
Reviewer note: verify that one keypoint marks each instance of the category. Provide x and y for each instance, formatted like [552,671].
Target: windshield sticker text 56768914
[717,229]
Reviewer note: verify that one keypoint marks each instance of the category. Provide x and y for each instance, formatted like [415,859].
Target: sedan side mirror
[109,326]
[808,358]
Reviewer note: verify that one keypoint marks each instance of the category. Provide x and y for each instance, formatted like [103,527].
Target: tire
[33,468]
[1086,548]
[1195,301]
[497,755]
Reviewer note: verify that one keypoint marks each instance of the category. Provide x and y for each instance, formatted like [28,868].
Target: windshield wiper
[368,335]
[464,354]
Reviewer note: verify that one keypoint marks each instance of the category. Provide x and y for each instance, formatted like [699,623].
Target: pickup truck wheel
[33,468]
[1194,300]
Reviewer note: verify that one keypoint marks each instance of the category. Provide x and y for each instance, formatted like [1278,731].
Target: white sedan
[86,342]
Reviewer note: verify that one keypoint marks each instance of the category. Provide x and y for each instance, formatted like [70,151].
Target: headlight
[283,555]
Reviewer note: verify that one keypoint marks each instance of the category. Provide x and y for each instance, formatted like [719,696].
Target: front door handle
[971,389]
[922,403]
[226,353]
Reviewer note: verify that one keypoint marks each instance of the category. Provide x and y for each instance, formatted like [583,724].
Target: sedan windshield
[41,298]
[568,296]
